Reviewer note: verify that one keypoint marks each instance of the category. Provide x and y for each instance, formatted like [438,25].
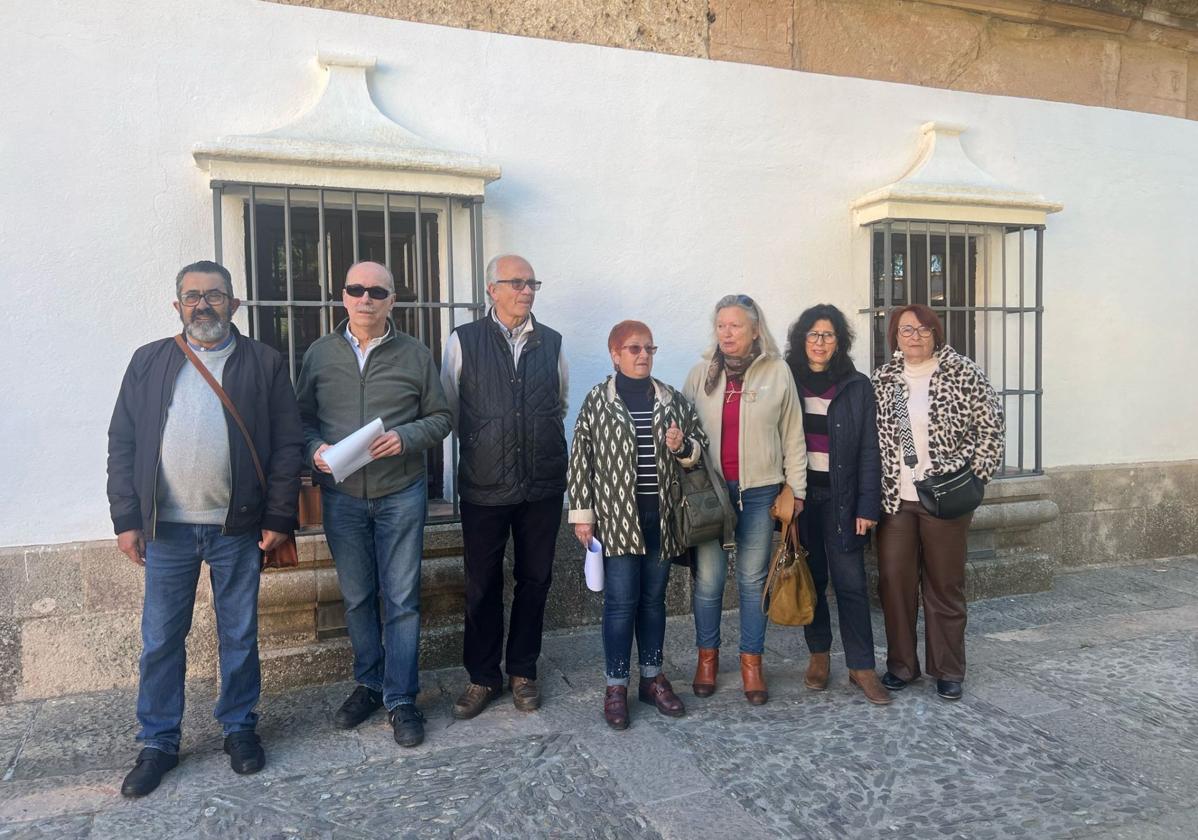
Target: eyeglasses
[745,300]
[375,292]
[215,297]
[907,331]
[814,337]
[520,284]
[636,349]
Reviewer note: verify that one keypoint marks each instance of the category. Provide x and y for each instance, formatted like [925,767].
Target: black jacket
[511,436]
[256,379]
[854,465]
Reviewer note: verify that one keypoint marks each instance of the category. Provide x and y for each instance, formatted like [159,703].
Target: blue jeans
[377,546]
[754,538]
[173,560]
[634,595]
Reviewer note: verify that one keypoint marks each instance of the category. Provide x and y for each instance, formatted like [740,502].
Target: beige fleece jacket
[773,449]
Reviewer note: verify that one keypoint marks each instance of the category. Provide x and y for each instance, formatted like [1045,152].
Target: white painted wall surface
[639,185]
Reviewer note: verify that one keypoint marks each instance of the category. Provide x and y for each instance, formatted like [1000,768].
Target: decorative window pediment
[344,141]
[944,184]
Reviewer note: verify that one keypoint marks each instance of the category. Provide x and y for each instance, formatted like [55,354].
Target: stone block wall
[69,614]
[1139,55]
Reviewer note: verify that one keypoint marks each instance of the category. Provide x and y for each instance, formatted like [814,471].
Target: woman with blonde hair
[748,405]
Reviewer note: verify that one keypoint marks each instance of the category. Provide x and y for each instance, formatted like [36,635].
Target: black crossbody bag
[944,496]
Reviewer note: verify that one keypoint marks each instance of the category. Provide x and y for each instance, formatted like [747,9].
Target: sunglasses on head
[375,292]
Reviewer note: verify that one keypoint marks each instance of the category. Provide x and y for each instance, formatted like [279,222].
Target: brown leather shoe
[657,691]
[703,685]
[753,679]
[474,699]
[867,680]
[818,666]
[526,694]
[615,706]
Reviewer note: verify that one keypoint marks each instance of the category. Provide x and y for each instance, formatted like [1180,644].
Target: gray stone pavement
[1080,720]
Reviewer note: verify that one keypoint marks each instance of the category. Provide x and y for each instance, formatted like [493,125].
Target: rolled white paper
[594,566]
[351,454]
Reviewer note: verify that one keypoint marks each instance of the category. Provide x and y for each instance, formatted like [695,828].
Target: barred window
[985,281]
[299,242]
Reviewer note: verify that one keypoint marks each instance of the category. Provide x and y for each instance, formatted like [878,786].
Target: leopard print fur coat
[965,420]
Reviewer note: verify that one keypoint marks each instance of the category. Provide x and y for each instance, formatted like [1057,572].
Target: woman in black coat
[843,491]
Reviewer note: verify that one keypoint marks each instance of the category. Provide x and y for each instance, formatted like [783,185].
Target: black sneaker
[949,689]
[892,682]
[147,773]
[407,722]
[245,752]
[358,706]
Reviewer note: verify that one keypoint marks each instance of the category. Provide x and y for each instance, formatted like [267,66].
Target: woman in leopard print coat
[956,419]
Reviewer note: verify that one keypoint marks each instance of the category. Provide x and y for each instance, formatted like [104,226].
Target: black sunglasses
[375,292]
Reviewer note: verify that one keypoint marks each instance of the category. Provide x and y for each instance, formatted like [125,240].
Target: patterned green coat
[602,477]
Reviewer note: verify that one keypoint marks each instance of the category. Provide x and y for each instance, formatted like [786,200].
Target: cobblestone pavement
[1080,720]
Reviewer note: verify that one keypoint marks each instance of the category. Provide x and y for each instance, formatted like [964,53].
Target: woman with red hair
[937,414]
[633,436]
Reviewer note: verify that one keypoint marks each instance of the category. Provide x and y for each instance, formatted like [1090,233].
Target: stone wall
[1139,56]
[70,620]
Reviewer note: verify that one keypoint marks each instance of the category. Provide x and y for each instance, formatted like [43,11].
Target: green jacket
[399,385]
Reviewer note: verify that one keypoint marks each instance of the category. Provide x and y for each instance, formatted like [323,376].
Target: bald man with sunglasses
[374,518]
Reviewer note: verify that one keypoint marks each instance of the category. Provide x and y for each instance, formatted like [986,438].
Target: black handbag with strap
[944,496]
[286,554]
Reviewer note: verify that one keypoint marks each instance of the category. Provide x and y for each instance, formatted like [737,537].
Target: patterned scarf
[735,366]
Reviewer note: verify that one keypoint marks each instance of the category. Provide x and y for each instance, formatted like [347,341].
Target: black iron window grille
[986,282]
[299,242]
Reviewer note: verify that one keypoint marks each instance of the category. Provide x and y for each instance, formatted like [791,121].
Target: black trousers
[533,527]
[817,532]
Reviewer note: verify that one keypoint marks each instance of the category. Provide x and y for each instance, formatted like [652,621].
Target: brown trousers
[920,554]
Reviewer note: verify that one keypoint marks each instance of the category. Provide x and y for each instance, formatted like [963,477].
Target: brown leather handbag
[789,595]
[285,555]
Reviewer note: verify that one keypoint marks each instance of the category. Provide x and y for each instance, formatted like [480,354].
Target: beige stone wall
[1131,54]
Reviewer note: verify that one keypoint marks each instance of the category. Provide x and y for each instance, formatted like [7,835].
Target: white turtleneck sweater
[918,378]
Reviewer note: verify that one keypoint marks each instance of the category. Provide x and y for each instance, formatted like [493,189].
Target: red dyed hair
[922,314]
[621,332]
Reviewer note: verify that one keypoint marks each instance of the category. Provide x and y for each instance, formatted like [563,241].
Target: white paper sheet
[352,453]
[594,566]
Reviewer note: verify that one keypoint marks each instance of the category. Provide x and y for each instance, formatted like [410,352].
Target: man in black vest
[505,378]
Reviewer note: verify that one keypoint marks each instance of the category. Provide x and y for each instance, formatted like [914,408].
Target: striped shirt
[817,393]
[637,395]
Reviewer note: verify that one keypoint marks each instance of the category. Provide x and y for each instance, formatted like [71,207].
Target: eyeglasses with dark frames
[214,297]
[375,292]
[906,331]
[520,284]
[637,349]
[815,337]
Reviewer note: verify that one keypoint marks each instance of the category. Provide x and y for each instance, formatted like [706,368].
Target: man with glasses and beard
[374,517]
[506,380]
[183,490]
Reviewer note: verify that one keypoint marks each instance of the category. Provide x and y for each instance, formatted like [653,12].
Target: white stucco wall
[639,185]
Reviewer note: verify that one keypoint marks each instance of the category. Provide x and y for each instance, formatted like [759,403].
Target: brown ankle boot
[867,680]
[657,691]
[753,678]
[703,685]
[817,671]
[615,706]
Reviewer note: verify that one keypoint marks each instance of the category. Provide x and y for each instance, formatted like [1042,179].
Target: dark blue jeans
[173,560]
[818,534]
[754,538]
[634,597]
[377,546]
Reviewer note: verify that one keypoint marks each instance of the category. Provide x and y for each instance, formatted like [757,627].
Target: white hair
[769,347]
[492,273]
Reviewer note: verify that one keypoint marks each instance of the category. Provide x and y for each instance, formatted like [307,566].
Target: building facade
[1022,166]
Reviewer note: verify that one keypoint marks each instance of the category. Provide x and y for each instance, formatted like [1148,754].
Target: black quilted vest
[510,432]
